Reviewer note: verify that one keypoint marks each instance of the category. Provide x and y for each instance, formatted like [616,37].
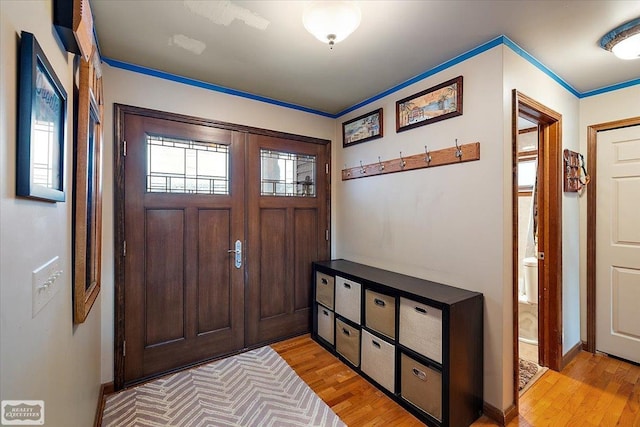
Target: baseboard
[571,354]
[502,418]
[585,346]
[105,390]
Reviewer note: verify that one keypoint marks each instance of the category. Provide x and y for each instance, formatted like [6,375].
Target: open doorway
[537,235]
[527,146]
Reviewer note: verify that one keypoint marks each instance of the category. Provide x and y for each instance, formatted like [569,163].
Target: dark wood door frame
[550,235]
[592,163]
[119,145]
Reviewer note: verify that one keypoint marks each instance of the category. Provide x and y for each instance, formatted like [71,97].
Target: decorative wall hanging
[87,191]
[576,177]
[42,116]
[445,156]
[431,105]
[364,128]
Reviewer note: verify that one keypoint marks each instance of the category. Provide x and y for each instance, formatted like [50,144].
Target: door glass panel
[287,174]
[185,166]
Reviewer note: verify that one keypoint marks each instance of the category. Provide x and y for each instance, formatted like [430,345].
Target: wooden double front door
[220,229]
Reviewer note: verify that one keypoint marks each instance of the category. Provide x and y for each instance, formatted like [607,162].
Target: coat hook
[380,165]
[402,162]
[458,150]
[362,168]
[348,171]
[427,156]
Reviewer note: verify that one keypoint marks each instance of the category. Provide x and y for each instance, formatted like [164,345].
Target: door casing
[549,236]
[120,111]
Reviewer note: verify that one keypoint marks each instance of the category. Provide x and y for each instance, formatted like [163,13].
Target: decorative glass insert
[184,166]
[287,174]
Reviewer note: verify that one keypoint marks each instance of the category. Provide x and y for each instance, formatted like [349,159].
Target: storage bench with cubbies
[419,341]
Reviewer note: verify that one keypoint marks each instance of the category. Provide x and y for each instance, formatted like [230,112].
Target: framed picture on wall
[431,105]
[87,193]
[363,128]
[42,113]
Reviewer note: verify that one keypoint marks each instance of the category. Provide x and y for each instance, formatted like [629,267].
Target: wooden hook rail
[428,159]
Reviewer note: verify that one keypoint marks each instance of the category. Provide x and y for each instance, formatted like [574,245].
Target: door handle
[238,252]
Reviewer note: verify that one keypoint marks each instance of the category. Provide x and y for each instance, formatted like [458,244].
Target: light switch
[45,284]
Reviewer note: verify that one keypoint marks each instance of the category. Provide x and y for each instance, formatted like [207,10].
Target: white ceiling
[396,40]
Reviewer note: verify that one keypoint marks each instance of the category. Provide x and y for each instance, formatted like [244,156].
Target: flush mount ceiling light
[331,21]
[624,41]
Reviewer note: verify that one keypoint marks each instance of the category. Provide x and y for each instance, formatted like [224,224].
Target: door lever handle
[238,252]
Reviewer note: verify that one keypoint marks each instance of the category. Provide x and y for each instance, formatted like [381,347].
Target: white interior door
[618,243]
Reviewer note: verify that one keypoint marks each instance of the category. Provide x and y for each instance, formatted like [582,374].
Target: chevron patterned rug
[256,388]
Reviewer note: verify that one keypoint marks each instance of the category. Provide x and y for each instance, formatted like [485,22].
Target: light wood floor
[593,390]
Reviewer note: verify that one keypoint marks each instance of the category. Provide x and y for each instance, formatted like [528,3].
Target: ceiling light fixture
[624,41]
[331,21]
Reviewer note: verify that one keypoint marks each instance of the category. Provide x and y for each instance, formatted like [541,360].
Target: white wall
[527,79]
[443,224]
[46,357]
[453,224]
[607,107]
[125,87]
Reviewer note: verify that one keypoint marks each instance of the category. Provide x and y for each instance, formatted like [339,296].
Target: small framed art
[431,105]
[361,129]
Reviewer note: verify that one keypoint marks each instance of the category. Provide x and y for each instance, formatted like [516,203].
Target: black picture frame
[371,123]
[42,120]
[431,105]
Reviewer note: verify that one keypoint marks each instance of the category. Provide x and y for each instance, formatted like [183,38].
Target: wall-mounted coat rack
[428,159]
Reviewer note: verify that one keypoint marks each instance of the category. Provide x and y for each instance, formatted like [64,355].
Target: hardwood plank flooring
[593,390]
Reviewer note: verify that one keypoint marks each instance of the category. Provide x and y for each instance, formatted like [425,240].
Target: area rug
[529,373]
[256,388]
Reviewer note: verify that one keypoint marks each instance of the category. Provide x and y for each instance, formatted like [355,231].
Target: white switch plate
[44,284]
